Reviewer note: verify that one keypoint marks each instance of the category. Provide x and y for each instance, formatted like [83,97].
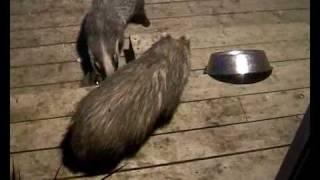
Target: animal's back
[123,111]
[117,111]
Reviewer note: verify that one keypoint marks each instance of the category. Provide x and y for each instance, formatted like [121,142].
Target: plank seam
[191,160]
[196,48]
[172,17]
[224,97]
[146,3]
[249,94]
[79,80]
[180,131]
[242,108]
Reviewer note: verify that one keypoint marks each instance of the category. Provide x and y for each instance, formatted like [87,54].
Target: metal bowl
[239,66]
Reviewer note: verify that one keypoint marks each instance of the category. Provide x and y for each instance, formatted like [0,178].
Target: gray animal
[104,26]
[126,108]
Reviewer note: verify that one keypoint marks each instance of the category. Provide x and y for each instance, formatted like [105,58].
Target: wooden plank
[224,20]
[177,147]
[201,86]
[74,15]
[40,105]
[48,133]
[47,54]
[211,37]
[37,134]
[47,87]
[43,55]
[18,7]
[60,102]
[38,37]
[67,34]
[294,101]
[290,49]
[196,64]
[200,38]
[39,6]
[52,73]
[45,74]
[192,115]
[71,71]
[263,165]
[48,36]
[67,52]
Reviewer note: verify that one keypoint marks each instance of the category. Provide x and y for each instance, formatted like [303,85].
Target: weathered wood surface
[290,49]
[72,71]
[27,136]
[200,38]
[18,7]
[192,115]
[202,86]
[216,119]
[43,55]
[45,74]
[45,104]
[268,105]
[164,10]
[51,36]
[40,6]
[262,165]
[60,102]
[169,148]
[47,87]
[211,37]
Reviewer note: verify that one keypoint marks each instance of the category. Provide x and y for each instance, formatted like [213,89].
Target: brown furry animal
[121,113]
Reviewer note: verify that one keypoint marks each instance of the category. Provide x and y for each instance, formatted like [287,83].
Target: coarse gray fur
[104,26]
[125,109]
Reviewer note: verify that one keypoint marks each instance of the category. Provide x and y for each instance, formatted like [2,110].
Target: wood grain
[74,14]
[60,102]
[192,115]
[61,35]
[177,147]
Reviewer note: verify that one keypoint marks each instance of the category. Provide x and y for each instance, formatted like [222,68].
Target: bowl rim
[239,51]
[229,53]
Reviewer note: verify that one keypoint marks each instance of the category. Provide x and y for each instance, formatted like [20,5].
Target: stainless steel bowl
[239,66]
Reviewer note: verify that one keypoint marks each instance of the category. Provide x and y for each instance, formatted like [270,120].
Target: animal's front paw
[98,80]
[146,23]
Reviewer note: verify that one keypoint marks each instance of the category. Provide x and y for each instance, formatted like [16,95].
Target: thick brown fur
[104,26]
[119,115]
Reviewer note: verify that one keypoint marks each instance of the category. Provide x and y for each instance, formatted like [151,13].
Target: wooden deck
[220,131]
